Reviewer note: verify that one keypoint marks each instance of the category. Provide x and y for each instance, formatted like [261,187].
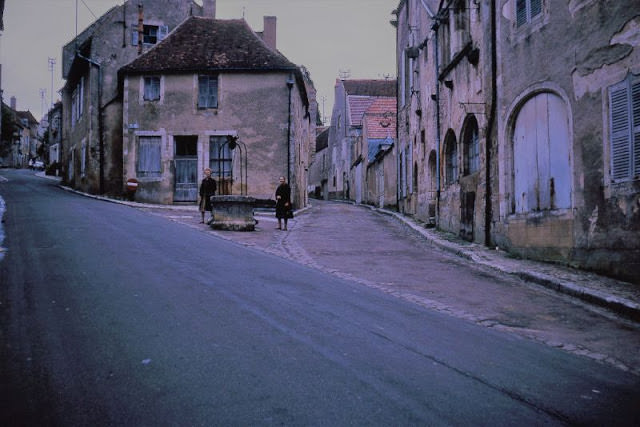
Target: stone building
[517,126]
[91,154]
[378,154]
[215,94]
[320,167]
[443,103]
[352,98]
[568,77]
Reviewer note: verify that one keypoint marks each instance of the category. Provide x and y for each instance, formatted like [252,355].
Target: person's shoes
[285,229]
[202,222]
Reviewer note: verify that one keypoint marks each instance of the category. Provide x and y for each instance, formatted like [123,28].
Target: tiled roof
[380,118]
[357,106]
[204,44]
[370,87]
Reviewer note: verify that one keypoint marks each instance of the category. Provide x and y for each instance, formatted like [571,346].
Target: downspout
[435,27]
[100,125]
[290,86]
[436,54]
[490,126]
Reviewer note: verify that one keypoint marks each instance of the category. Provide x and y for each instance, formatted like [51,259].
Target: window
[149,155]
[624,129]
[451,158]
[151,34]
[207,91]
[83,159]
[471,147]
[220,156]
[527,10]
[76,102]
[151,88]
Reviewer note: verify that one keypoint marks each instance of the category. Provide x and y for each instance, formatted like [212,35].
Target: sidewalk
[620,297]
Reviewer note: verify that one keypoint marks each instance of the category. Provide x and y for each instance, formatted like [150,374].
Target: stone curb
[622,306]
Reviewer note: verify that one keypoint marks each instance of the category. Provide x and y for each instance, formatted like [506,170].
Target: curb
[622,306]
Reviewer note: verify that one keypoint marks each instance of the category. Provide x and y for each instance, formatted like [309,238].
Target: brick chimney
[13,103]
[269,32]
[209,8]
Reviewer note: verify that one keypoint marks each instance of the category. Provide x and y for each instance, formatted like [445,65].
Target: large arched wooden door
[542,155]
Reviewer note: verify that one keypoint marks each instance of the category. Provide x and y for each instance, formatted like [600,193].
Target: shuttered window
[451,159]
[151,34]
[624,129]
[527,10]
[207,91]
[149,157]
[152,88]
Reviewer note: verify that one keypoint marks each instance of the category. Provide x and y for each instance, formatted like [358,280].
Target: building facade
[91,155]
[517,126]
[216,94]
[352,98]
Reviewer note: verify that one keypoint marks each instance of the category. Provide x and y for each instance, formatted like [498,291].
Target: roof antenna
[244,9]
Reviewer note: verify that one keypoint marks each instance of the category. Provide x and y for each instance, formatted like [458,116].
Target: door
[542,155]
[186,169]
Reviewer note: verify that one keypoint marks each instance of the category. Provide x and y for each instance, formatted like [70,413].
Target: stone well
[233,213]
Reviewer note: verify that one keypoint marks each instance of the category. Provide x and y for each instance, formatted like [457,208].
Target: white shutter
[521,12]
[620,127]
[163,30]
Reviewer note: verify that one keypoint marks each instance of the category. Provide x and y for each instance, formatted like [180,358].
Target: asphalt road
[111,316]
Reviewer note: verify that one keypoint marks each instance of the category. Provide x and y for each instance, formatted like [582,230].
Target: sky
[328,37]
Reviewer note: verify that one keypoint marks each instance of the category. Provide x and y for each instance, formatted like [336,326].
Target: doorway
[186,165]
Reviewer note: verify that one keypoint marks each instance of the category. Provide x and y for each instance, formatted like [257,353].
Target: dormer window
[151,34]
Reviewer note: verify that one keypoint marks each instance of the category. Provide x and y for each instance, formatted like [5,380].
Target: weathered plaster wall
[253,107]
[580,48]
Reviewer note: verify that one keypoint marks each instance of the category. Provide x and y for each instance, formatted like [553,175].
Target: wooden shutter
[521,12]
[536,8]
[134,37]
[202,92]
[635,101]
[620,127]
[163,30]
[149,154]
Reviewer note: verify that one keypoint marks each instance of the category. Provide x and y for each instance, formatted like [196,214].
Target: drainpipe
[100,136]
[490,126]
[436,54]
[290,86]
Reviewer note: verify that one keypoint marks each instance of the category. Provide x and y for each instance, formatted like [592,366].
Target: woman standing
[208,188]
[284,210]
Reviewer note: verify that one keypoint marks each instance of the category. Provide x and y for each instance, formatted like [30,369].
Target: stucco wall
[253,107]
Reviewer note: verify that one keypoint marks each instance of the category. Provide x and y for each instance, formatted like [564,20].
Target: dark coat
[283,205]
[208,188]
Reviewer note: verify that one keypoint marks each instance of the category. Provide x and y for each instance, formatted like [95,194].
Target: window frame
[220,160]
[451,170]
[150,91]
[144,159]
[624,129]
[210,99]
[471,147]
[527,11]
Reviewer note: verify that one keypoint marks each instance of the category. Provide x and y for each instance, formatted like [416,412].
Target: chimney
[269,32]
[209,8]
[13,103]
